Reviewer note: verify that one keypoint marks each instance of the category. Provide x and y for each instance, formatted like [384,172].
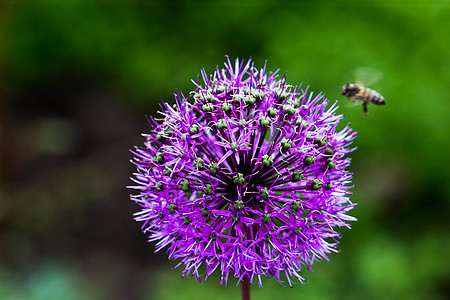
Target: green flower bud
[266,160]
[295,205]
[239,178]
[208,190]
[289,110]
[258,94]
[207,107]
[316,185]
[264,194]
[185,185]
[213,168]
[249,100]
[266,218]
[272,111]
[198,164]
[226,107]
[159,157]
[221,124]
[238,205]
[172,207]
[193,129]
[330,163]
[297,176]
[237,98]
[320,142]
[286,144]
[309,160]
[328,151]
[159,185]
[264,121]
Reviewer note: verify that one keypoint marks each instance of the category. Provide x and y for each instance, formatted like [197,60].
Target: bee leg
[365,105]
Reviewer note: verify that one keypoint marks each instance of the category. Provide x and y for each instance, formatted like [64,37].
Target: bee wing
[333,90]
[352,104]
[367,75]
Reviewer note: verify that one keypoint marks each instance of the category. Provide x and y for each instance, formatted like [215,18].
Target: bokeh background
[78,77]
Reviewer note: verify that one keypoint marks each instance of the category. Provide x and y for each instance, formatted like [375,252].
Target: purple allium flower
[246,175]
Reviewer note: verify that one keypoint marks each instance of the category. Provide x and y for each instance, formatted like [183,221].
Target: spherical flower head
[247,175]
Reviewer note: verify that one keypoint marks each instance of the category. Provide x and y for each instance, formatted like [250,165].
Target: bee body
[358,92]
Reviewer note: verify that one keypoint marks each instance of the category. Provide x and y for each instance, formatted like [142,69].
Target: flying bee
[357,91]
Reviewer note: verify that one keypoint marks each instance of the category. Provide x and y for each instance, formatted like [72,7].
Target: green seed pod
[258,94]
[220,89]
[282,95]
[167,171]
[159,157]
[209,98]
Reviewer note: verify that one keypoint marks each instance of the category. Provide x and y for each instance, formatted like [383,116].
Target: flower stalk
[245,286]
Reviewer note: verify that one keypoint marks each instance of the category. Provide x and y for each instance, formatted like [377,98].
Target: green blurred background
[78,77]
